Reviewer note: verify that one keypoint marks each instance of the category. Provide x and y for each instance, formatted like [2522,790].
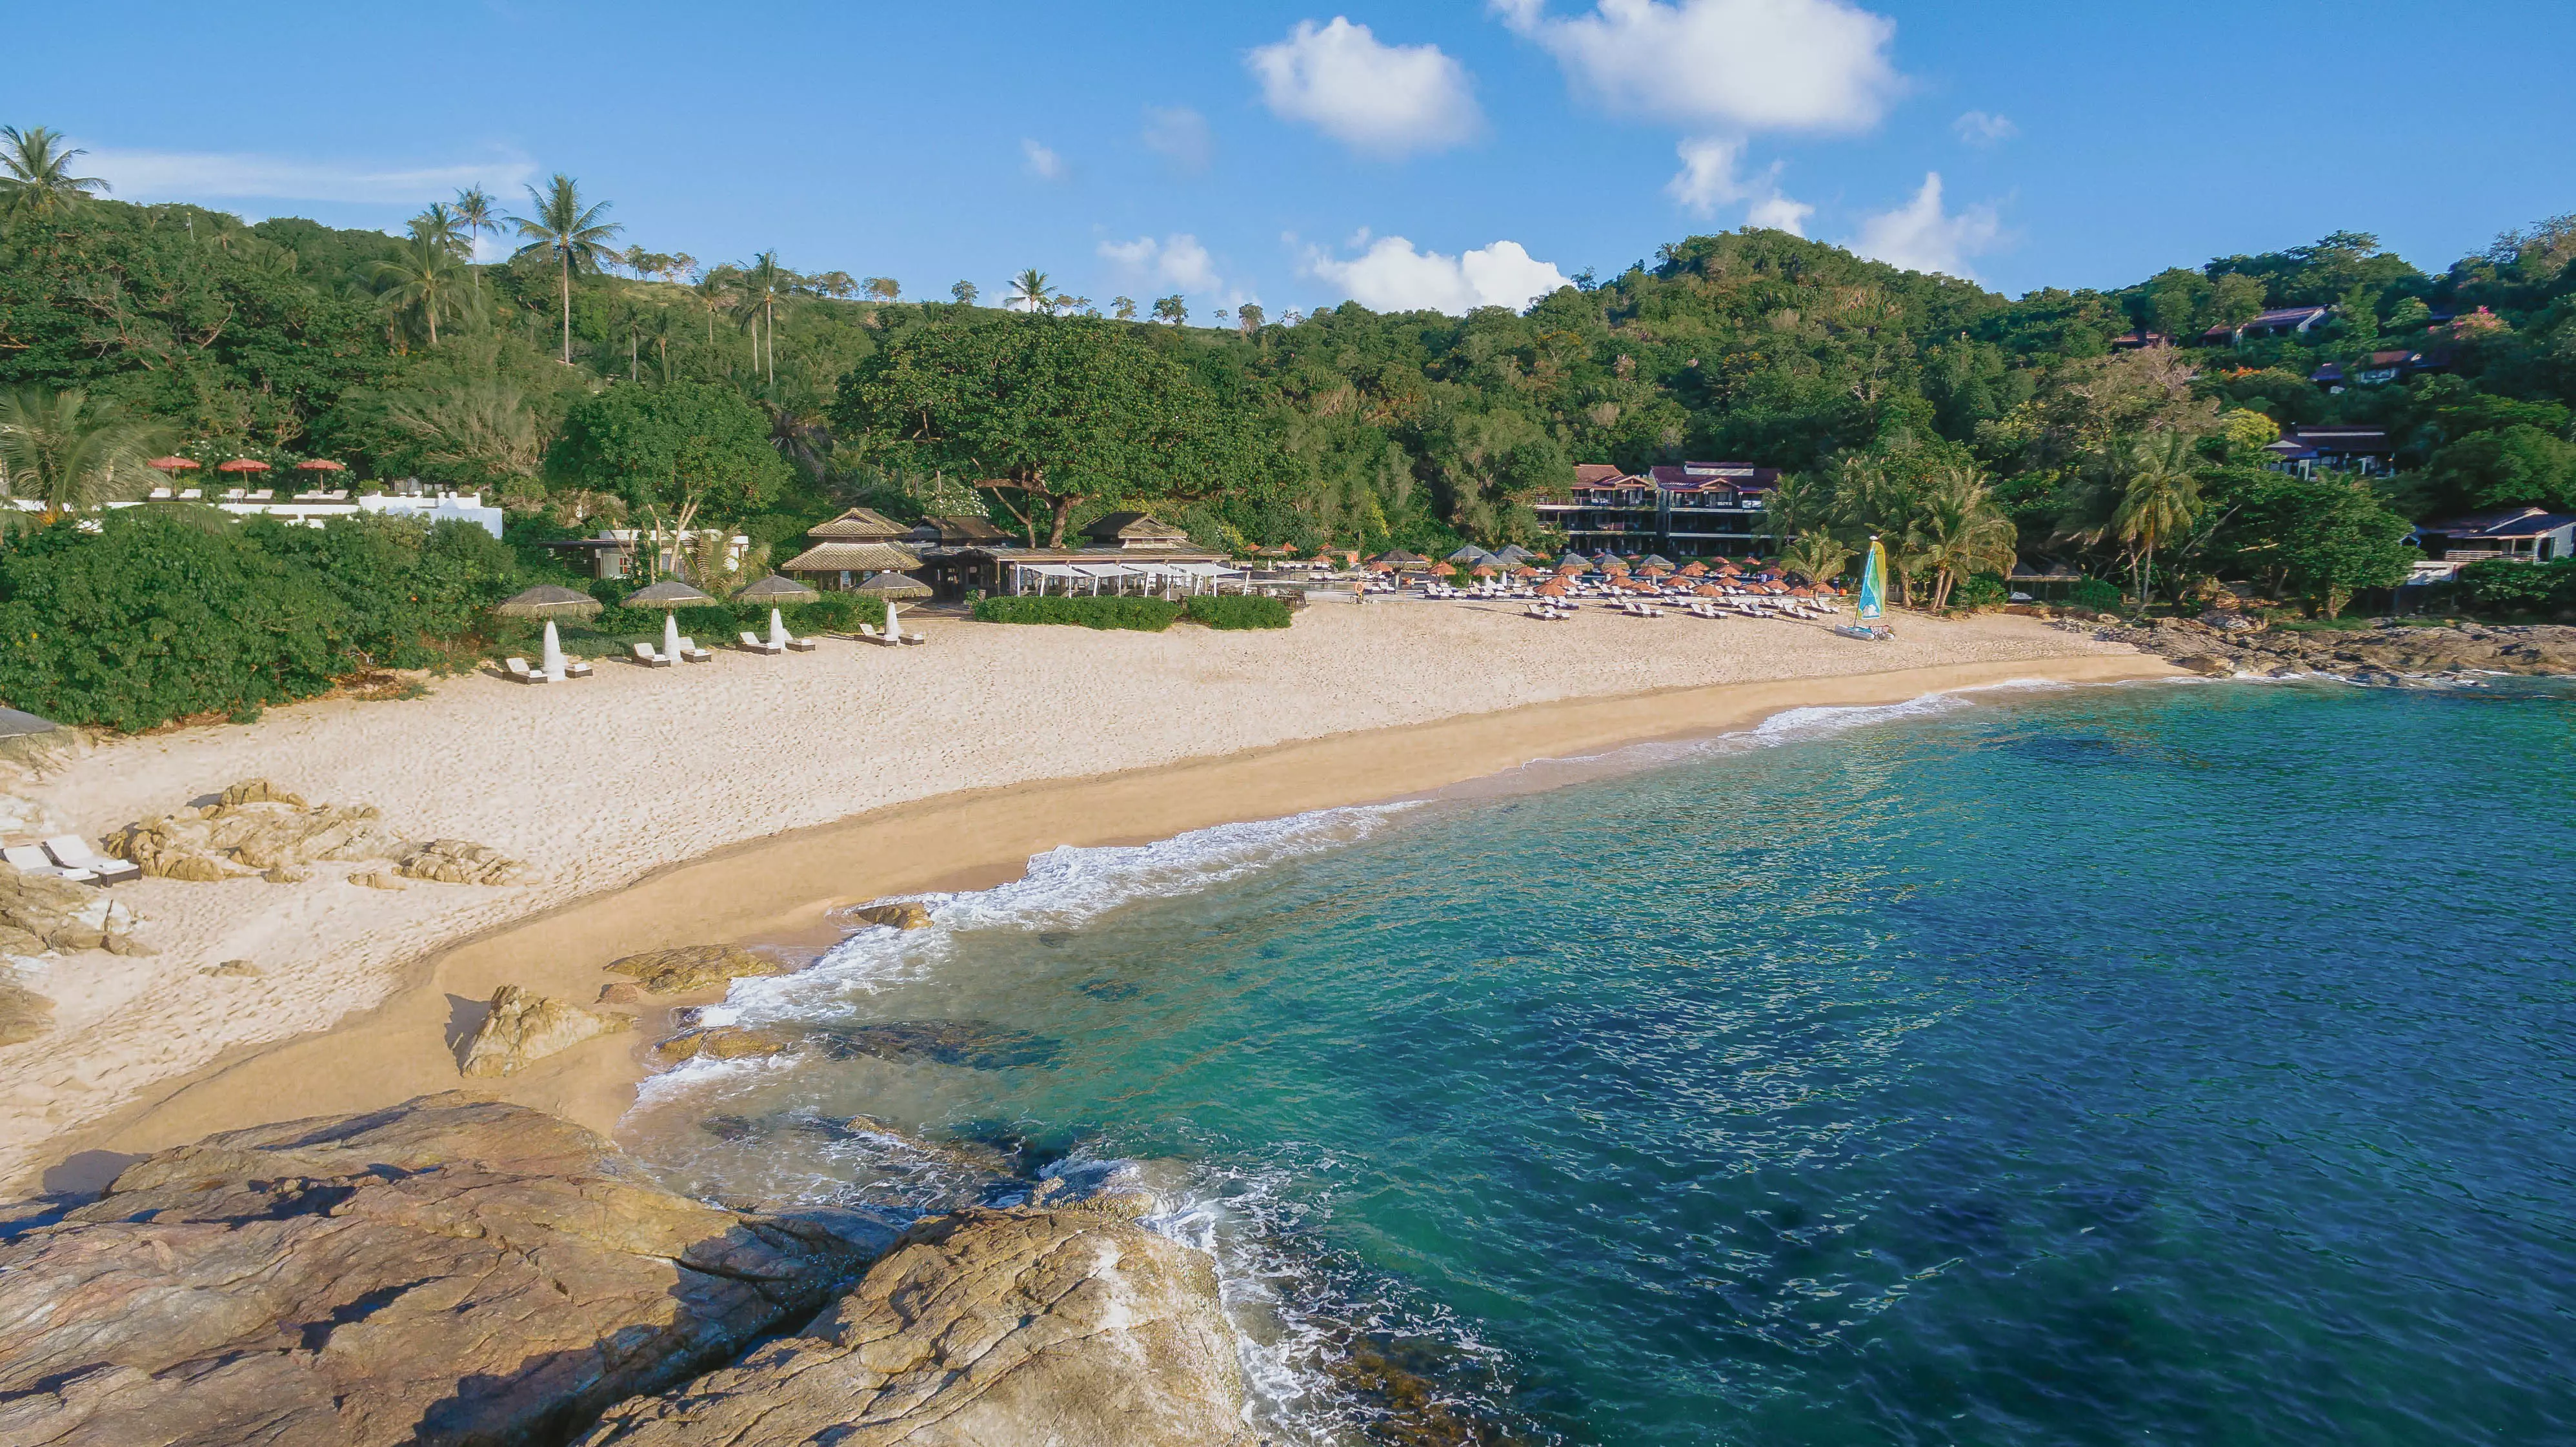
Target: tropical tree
[473,213]
[35,174]
[2139,492]
[964,293]
[717,292]
[58,450]
[438,225]
[1171,310]
[483,433]
[884,288]
[1818,557]
[1123,308]
[425,276]
[763,283]
[573,232]
[1961,530]
[1034,291]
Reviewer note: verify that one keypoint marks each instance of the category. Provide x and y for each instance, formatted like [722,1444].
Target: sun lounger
[72,852]
[804,645]
[869,632]
[575,668]
[752,642]
[519,670]
[645,655]
[28,859]
[690,650]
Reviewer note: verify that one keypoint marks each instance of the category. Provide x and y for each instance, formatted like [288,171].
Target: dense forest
[587,379]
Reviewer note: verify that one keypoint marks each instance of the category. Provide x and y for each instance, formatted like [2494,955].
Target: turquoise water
[2178,1063]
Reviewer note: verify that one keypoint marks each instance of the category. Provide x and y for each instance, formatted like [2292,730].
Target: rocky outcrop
[1069,1324]
[24,1014]
[39,914]
[448,1272]
[904,914]
[252,827]
[691,968]
[453,861]
[2393,651]
[521,1029]
[728,1042]
[257,828]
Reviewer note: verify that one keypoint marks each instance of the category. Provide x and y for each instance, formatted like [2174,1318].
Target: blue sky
[1400,151]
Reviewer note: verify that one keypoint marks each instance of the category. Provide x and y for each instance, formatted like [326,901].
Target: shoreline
[778,888]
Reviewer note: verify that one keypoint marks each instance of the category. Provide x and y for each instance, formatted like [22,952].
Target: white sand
[597,782]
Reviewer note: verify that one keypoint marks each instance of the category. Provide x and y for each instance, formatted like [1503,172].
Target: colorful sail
[1873,584]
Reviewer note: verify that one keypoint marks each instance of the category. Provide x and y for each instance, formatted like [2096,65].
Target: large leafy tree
[573,233]
[1050,414]
[675,453]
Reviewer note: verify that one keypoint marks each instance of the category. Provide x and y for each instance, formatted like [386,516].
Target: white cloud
[1707,180]
[1178,261]
[1179,135]
[1980,129]
[1386,100]
[192,176]
[1734,66]
[1921,236]
[1043,163]
[1391,276]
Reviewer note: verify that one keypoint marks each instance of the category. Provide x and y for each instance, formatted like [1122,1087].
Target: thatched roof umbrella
[1484,570]
[1552,590]
[547,601]
[1709,590]
[775,591]
[1442,570]
[1694,570]
[1569,568]
[668,593]
[894,585]
[1525,571]
[1656,560]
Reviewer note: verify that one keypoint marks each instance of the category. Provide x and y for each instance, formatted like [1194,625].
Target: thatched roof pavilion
[548,601]
[858,525]
[860,557]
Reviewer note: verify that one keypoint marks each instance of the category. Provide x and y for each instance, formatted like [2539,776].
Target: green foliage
[2094,594]
[1984,590]
[1142,615]
[2516,466]
[677,448]
[168,613]
[1236,610]
[2320,538]
[2502,585]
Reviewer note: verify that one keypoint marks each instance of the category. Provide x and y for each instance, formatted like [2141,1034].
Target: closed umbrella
[554,654]
[777,630]
[670,635]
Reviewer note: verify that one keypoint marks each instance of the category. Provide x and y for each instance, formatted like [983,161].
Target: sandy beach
[743,798]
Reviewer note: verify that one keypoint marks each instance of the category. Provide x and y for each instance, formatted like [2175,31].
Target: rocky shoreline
[461,1273]
[2392,652]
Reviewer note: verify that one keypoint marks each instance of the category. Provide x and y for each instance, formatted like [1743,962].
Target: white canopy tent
[1094,579]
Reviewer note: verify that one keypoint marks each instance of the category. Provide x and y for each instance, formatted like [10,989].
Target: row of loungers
[65,857]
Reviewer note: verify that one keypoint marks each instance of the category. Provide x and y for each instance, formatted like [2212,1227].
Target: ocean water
[2186,1063]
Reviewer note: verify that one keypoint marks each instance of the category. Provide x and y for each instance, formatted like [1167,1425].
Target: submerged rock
[976,1044]
[522,1029]
[1067,1325]
[691,968]
[728,1042]
[447,1272]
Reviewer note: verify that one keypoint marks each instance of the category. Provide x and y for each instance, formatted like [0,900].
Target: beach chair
[519,670]
[909,637]
[690,651]
[28,859]
[644,654]
[804,645]
[869,632]
[74,853]
[575,668]
[754,643]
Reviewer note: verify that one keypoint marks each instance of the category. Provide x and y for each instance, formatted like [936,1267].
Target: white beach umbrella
[670,635]
[554,654]
[891,630]
[777,630]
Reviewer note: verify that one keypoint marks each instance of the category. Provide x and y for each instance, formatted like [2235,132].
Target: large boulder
[690,968]
[39,914]
[447,1272]
[521,1028]
[903,914]
[252,827]
[1069,1325]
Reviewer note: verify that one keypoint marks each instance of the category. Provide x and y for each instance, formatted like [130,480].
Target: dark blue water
[2109,1065]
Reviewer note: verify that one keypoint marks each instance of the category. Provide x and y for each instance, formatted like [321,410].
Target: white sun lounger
[690,650]
[28,859]
[645,654]
[519,671]
[72,852]
[752,642]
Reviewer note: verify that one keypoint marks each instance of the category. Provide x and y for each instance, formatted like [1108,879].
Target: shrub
[1144,615]
[2500,585]
[1981,590]
[1236,611]
[2094,594]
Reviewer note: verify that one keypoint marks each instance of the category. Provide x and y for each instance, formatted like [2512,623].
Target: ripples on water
[2109,1065]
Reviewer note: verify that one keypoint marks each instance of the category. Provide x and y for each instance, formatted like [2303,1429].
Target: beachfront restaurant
[1124,552]
[850,549]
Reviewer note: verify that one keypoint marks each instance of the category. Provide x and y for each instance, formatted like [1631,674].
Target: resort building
[2524,534]
[2308,450]
[2287,321]
[1689,509]
[313,509]
[615,552]
[852,548]
[1123,552]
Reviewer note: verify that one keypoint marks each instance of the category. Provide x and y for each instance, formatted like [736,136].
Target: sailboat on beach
[1873,598]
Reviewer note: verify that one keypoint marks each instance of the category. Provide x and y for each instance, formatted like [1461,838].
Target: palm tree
[51,452]
[2141,491]
[716,294]
[572,231]
[474,214]
[1817,557]
[1034,290]
[480,432]
[38,180]
[763,283]
[438,225]
[426,275]
[1962,531]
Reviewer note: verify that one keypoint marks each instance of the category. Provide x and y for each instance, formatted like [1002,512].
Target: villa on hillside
[2308,450]
[1690,509]
[2286,321]
[2525,534]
